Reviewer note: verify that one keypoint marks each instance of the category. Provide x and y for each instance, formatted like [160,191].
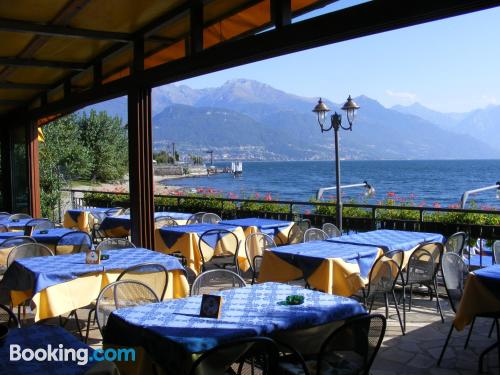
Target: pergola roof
[59,55]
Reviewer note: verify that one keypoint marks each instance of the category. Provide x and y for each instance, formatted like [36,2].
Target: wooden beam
[6,180]
[140,145]
[24,86]
[281,12]
[33,170]
[61,31]
[13,61]
[196,27]
[11,102]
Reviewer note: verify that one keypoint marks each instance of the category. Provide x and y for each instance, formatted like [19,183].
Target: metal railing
[372,216]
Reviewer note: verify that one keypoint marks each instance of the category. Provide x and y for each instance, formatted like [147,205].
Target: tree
[106,140]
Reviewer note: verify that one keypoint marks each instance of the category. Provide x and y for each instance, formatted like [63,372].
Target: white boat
[237,168]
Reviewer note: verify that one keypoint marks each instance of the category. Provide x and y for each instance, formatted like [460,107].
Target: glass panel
[20,171]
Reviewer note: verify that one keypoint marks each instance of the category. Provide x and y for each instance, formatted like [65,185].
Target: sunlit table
[59,284]
[331,267]
[119,225]
[277,229]
[83,219]
[171,333]
[184,239]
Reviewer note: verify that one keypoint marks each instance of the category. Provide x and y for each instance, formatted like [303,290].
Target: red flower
[257,195]
[436,205]
[268,197]
[391,194]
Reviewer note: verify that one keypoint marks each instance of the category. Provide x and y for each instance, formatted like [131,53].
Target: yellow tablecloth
[334,275]
[279,238]
[64,297]
[84,223]
[187,245]
[476,300]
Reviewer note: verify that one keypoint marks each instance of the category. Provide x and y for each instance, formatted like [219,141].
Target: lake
[431,182]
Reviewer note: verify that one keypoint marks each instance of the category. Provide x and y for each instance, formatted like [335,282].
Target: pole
[337,176]
[173,152]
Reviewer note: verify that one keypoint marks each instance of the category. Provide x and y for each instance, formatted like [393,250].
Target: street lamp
[369,189]
[336,124]
[465,195]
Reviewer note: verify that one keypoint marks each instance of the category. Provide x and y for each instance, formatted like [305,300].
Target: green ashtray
[295,299]
[104,256]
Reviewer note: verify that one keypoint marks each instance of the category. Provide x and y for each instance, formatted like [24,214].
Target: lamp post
[465,195]
[336,124]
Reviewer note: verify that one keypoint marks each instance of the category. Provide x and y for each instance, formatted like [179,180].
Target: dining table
[277,229]
[84,218]
[172,334]
[335,268]
[119,225]
[56,285]
[184,239]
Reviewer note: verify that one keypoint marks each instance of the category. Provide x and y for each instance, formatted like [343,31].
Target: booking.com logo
[81,356]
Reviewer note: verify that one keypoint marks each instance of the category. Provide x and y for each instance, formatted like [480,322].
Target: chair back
[295,235]
[456,243]
[74,242]
[255,245]
[28,250]
[3,228]
[352,348]
[154,275]
[216,280]
[225,243]
[383,275]
[114,211]
[115,244]
[454,273]
[4,215]
[331,230]
[123,293]
[422,265]
[242,353]
[16,241]
[210,218]
[165,221]
[19,217]
[496,251]
[40,224]
[195,218]
[303,224]
[8,318]
[315,234]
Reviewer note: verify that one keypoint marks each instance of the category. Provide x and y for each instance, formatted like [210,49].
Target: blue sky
[451,65]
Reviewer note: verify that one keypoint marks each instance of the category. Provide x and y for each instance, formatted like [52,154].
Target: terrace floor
[416,352]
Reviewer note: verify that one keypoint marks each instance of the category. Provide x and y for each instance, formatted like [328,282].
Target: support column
[6,177]
[33,169]
[140,151]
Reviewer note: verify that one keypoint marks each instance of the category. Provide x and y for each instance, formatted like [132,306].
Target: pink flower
[307,212]
[455,205]
[257,195]
[268,197]
[436,205]
[391,194]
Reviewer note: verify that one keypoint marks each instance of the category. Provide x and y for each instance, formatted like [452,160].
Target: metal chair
[123,293]
[216,280]
[257,355]
[40,224]
[315,234]
[74,242]
[331,230]
[456,243]
[303,224]
[350,349]
[295,235]
[421,269]
[28,250]
[19,217]
[382,280]
[165,221]
[195,218]
[353,346]
[8,318]
[255,245]
[496,251]
[114,244]
[210,218]
[225,241]
[154,275]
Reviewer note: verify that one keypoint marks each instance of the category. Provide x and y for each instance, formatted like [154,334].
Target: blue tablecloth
[490,278]
[15,224]
[170,235]
[40,336]
[39,273]
[169,330]
[389,240]
[51,237]
[308,256]
[98,212]
[268,226]
[480,261]
[111,222]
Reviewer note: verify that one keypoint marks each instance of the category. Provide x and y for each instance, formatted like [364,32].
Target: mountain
[483,124]
[245,119]
[445,120]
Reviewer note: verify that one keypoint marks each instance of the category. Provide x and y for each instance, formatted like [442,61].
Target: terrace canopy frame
[60,56]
